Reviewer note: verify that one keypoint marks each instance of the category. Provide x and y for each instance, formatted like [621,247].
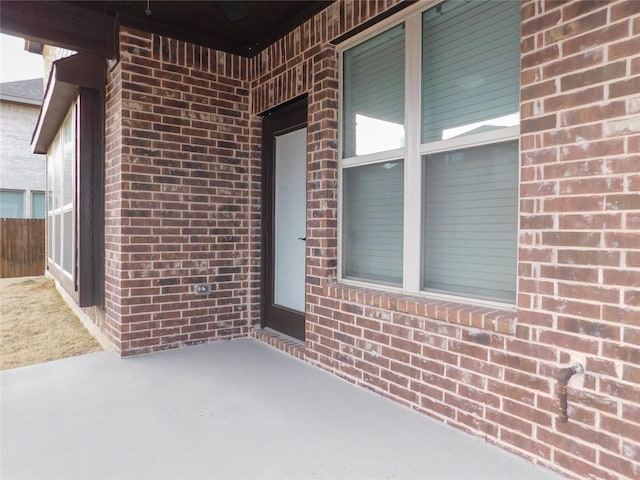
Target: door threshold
[281,341]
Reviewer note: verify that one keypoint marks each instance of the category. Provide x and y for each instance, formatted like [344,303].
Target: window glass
[11,204]
[470,221]
[37,205]
[56,160]
[373,222]
[50,179]
[470,68]
[374,94]
[67,241]
[57,229]
[50,236]
[68,152]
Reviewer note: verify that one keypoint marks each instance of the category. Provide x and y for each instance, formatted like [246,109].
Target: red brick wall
[183,204]
[490,371]
[579,294]
[113,207]
[181,195]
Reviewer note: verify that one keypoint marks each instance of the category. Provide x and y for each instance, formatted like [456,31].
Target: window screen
[374,94]
[373,222]
[470,221]
[470,68]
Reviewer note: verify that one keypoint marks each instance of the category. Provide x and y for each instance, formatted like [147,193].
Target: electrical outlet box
[202,289]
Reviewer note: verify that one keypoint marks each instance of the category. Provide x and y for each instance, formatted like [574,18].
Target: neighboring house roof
[23,91]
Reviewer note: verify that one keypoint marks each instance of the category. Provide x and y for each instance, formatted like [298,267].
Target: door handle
[304,239]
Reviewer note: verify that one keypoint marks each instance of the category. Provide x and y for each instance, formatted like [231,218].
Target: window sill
[460,313]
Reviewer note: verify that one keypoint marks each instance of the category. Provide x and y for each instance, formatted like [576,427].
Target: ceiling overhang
[240,27]
[60,24]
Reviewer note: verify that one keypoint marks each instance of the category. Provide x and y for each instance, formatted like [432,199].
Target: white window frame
[412,154]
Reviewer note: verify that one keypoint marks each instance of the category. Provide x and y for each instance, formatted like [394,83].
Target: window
[373,199]
[374,111]
[374,94]
[11,204]
[38,205]
[430,154]
[60,175]
[74,145]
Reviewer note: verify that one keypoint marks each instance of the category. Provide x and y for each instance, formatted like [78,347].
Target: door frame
[279,121]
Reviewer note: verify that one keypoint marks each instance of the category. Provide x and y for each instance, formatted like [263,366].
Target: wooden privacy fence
[22,247]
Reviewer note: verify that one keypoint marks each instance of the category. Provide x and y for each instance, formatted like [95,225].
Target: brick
[587,167]
[633,259]
[513,361]
[631,413]
[577,9]
[572,342]
[578,467]
[593,76]
[540,156]
[622,315]
[622,277]
[589,435]
[538,57]
[591,185]
[621,240]
[573,135]
[511,422]
[536,124]
[593,149]
[619,464]
[631,374]
[624,353]
[623,49]
[595,38]
[590,222]
[624,88]
[589,328]
[569,445]
[585,203]
[541,22]
[538,189]
[589,257]
[464,377]
[522,395]
[622,10]
[632,335]
[576,26]
[572,239]
[536,351]
[603,403]
[614,426]
[569,64]
[588,292]
[538,90]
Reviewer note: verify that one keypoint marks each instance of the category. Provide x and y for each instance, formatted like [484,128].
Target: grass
[36,325]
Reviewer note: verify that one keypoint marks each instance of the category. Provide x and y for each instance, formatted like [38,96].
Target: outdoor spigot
[564,374]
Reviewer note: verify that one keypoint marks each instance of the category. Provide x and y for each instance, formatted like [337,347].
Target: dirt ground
[36,325]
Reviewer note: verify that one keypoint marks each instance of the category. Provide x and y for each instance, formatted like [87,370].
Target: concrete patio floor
[236,409]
